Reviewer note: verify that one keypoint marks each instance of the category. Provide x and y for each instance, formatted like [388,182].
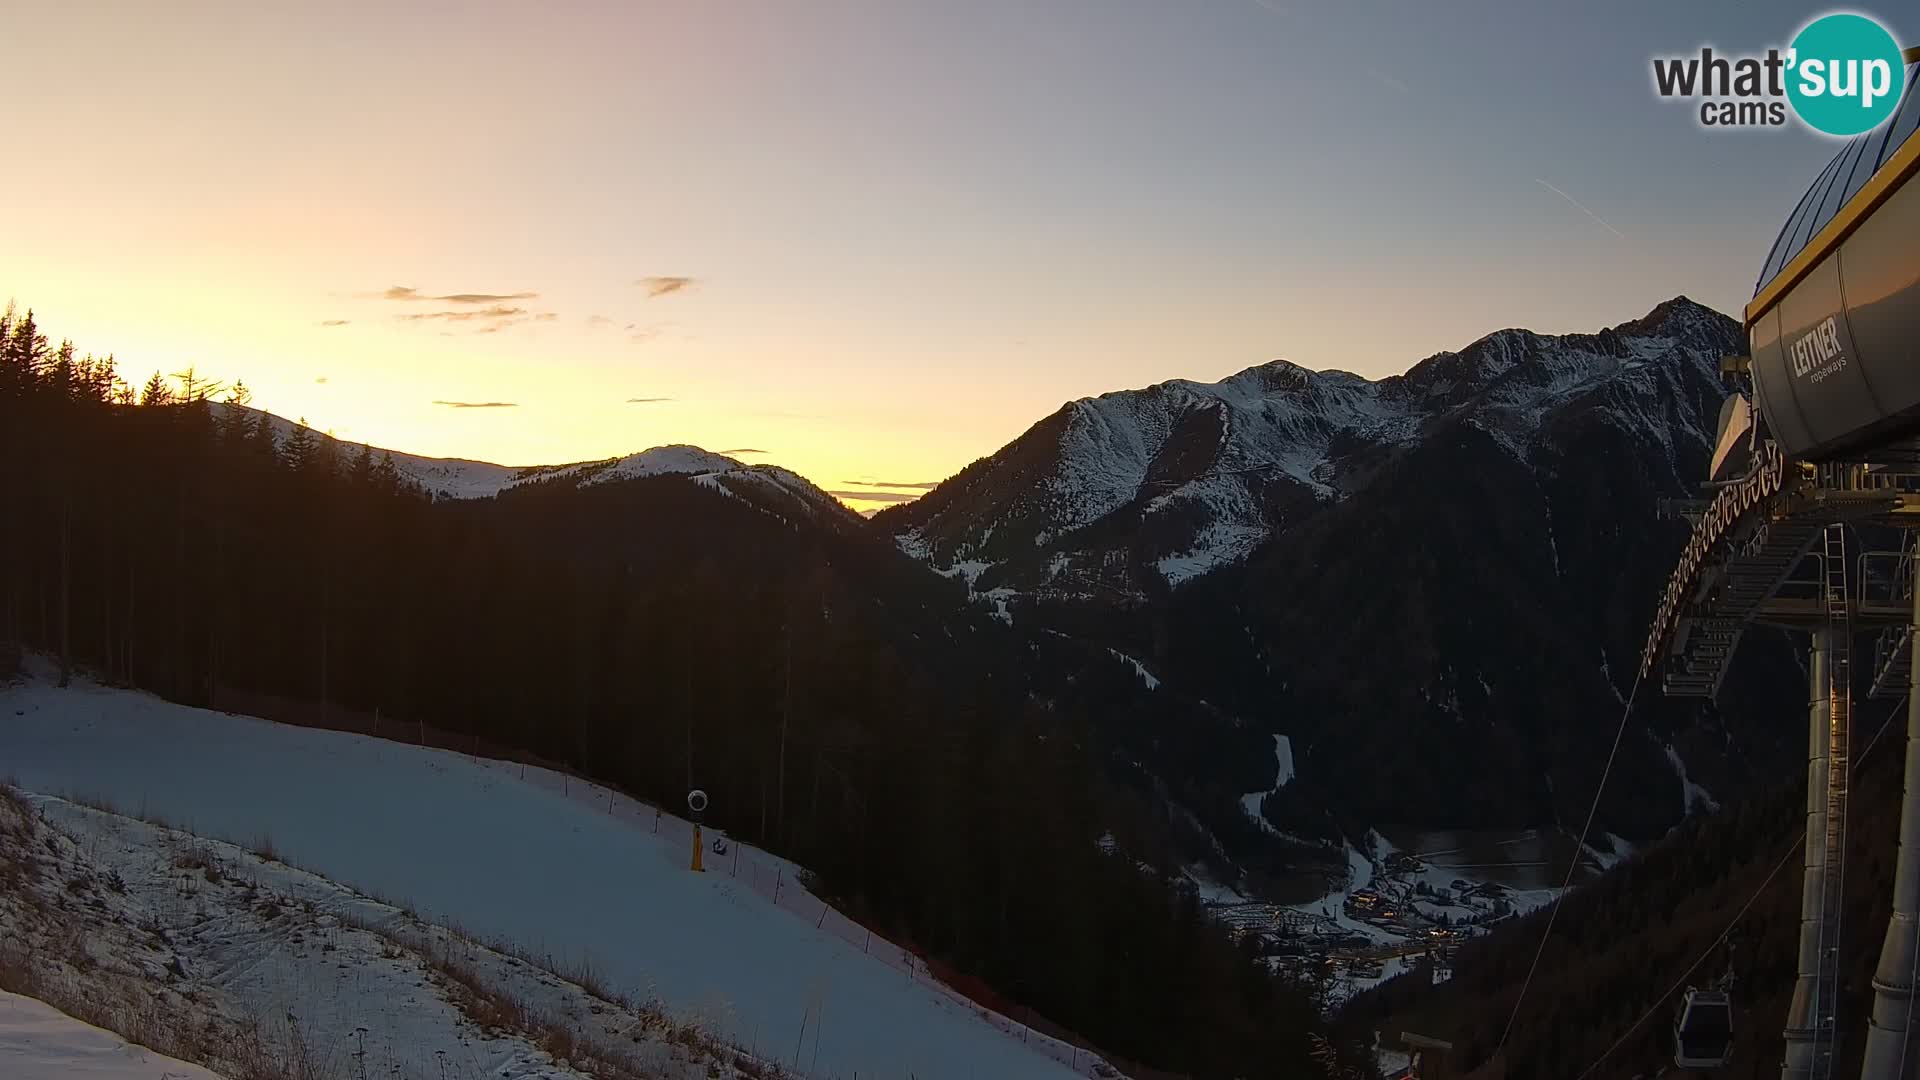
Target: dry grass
[16,970]
[143,1020]
[200,857]
[280,1051]
[20,868]
[12,798]
[97,802]
[487,1006]
[494,1010]
[47,942]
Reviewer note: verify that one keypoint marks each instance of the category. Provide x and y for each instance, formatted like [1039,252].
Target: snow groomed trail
[547,862]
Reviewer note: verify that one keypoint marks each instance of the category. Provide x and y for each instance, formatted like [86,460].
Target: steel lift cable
[1785,858]
[1573,864]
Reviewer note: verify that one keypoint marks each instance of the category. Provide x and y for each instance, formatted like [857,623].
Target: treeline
[944,777]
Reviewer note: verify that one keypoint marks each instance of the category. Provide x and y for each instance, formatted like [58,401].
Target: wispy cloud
[648,400]
[664,286]
[335,322]
[321,381]
[407,292]
[599,320]
[1578,206]
[876,496]
[479,404]
[745,450]
[495,312]
[921,485]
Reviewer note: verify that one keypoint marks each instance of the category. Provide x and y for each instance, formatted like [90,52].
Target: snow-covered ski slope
[39,1042]
[546,863]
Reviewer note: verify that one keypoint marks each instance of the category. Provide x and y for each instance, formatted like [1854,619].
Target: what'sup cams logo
[1842,75]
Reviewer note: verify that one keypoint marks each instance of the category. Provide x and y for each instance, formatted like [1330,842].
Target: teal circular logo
[1845,74]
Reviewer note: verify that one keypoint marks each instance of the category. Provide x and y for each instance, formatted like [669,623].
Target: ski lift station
[1818,446]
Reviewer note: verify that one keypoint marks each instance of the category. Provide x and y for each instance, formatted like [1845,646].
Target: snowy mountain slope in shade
[566,873]
[1182,477]
[1283,764]
[39,1042]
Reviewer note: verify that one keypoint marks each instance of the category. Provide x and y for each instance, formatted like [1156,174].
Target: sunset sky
[871,241]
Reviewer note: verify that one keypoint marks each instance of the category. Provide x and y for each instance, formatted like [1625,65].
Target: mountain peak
[673,459]
[1180,477]
[1676,318]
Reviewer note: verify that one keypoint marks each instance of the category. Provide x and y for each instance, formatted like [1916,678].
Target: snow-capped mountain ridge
[1187,475]
[779,491]
[462,479]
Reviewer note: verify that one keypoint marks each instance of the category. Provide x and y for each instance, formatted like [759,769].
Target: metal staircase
[1893,662]
[1893,650]
[1753,572]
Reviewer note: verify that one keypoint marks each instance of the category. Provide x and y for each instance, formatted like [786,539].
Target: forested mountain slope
[941,772]
[1621,946]
[1434,585]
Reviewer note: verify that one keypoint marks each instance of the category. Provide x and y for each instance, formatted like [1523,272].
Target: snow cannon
[697,804]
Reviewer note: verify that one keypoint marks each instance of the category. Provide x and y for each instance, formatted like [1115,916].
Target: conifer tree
[24,349]
[156,392]
[386,476]
[265,446]
[61,373]
[234,425]
[298,453]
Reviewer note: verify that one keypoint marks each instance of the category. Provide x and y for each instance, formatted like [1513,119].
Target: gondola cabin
[1703,1031]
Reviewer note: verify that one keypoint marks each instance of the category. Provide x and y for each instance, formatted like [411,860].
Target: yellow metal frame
[1895,172]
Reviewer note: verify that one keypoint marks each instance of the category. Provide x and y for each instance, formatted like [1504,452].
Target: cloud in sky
[664,286]
[745,450]
[648,400]
[599,320]
[876,496]
[479,404]
[498,311]
[920,485]
[407,292]
[335,322]
[321,381]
